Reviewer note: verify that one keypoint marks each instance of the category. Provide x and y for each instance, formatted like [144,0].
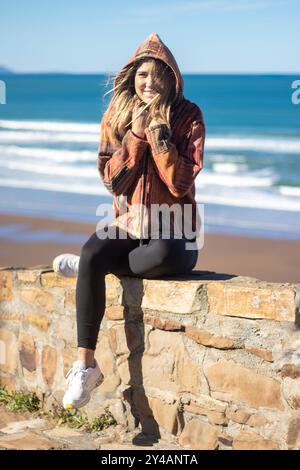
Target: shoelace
[73,263]
[74,373]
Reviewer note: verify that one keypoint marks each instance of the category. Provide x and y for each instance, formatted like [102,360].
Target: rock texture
[203,361]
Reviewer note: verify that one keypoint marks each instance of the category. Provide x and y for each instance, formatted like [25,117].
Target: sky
[205,36]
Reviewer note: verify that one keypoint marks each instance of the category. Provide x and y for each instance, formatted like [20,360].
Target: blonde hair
[120,108]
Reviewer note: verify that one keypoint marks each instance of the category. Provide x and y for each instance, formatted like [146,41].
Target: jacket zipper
[144,179]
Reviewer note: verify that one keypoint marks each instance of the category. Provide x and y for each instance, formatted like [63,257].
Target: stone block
[252,300]
[49,358]
[6,285]
[198,435]
[244,385]
[28,352]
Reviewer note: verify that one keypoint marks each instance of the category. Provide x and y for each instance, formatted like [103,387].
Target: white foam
[274,144]
[289,191]
[229,182]
[251,224]
[240,200]
[54,126]
[209,178]
[225,157]
[23,136]
[56,155]
[257,201]
[51,186]
[48,131]
[229,167]
[90,171]
[59,170]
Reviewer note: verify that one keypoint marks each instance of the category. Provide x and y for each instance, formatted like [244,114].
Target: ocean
[250,183]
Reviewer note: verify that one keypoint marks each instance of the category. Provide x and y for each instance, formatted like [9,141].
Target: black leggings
[157,257]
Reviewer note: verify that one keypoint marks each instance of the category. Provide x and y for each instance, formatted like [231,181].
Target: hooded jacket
[143,173]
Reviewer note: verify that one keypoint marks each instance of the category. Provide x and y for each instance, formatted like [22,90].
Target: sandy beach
[265,259]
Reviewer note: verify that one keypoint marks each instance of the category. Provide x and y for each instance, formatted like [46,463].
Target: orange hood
[155,48]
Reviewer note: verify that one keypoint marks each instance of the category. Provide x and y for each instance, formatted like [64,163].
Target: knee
[91,250]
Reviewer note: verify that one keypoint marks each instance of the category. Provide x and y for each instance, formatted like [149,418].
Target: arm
[178,166]
[118,164]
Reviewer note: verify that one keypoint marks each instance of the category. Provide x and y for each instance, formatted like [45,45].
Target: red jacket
[158,169]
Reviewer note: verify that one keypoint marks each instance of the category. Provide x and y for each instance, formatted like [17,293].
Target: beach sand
[265,259]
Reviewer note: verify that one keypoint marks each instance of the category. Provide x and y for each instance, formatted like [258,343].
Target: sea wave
[289,191]
[54,186]
[229,167]
[273,202]
[45,136]
[83,171]
[54,155]
[263,177]
[53,131]
[54,126]
[239,199]
[263,144]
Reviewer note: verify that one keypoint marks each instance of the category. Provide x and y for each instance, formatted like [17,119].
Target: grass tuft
[77,419]
[17,401]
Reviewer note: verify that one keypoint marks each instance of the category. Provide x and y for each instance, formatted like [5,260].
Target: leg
[162,257]
[97,258]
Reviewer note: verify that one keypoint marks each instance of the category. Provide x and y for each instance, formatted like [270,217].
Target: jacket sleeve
[178,166]
[118,165]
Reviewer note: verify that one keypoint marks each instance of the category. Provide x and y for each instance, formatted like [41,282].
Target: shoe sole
[70,406]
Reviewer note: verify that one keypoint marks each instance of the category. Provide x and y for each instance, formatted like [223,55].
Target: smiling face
[143,82]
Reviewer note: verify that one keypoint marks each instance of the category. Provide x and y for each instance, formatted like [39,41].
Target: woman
[151,150]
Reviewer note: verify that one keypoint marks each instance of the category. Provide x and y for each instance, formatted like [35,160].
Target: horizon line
[11,72]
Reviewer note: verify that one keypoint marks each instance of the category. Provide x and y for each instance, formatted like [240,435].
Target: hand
[139,123]
[156,120]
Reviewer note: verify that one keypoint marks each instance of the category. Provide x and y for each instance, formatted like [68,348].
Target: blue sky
[97,36]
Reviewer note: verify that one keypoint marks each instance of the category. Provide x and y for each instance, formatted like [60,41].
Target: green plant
[74,419]
[102,422]
[28,401]
[77,419]
[19,401]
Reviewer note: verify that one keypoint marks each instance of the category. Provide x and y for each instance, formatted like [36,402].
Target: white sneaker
[66,265]
[81,382]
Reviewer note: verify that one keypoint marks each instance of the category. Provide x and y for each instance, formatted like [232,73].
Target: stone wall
[207,361]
